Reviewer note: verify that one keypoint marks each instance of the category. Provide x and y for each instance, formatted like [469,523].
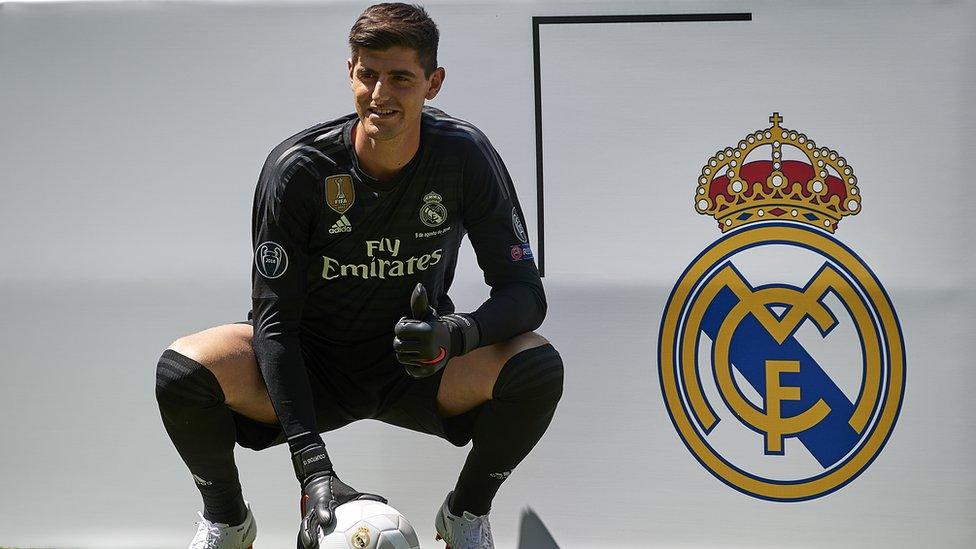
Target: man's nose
[379,90]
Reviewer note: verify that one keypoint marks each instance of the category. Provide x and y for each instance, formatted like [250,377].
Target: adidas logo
[200,481]
[341,226]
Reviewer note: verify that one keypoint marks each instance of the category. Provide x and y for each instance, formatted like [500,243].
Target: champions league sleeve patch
[270,260]
[520,252]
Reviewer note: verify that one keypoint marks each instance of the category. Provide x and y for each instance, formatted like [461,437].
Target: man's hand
[322,492]
[424,341]
[320,496]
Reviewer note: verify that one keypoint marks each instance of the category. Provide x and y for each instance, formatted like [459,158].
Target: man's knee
[182,382]
[519,343]
[191,368]
[534,374]
[226,352]
[218,348]
[188,347]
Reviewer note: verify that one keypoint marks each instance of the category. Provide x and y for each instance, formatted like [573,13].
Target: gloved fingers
[372,497]
[406,348]
[308,534]
[416,371]
[402,322]
[419,306]
[413,368]
[411,363]
[409,328]
[324,514]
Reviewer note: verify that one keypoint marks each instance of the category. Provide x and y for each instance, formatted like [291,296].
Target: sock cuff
[531,373]
[181,376]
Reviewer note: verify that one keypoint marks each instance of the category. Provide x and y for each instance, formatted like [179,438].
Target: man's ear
[349,66]
[436,81]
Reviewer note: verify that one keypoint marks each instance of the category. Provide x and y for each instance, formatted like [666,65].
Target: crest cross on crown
[818,191]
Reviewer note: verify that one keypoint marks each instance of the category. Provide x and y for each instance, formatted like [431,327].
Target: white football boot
[217,535]
[465,532]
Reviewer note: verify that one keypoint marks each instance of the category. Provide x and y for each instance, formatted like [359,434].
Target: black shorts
[364,382]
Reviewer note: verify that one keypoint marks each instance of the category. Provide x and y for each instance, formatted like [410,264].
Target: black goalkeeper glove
[424,341]
[322,492]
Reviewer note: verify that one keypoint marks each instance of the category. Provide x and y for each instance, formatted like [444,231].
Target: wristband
[465,334]
[310,461]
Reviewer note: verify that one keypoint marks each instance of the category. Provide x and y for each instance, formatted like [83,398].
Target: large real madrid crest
[781,358]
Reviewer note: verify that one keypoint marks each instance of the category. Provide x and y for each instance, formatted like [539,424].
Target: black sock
[202,428]
[512,422]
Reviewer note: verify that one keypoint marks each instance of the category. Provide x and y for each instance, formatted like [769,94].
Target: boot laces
[211,533]
[476,530]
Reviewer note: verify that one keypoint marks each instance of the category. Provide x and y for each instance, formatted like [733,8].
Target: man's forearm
[277,348]
[512,309]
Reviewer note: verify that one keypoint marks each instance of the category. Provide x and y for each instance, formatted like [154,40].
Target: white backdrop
[131,136]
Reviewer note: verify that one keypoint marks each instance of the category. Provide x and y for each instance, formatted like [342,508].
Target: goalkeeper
[356,228]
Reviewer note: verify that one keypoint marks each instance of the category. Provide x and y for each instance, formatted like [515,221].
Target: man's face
[389,87]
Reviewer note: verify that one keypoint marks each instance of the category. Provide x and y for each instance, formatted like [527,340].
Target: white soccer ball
[364,524]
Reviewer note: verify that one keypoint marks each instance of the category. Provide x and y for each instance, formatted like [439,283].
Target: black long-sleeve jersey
[337,253]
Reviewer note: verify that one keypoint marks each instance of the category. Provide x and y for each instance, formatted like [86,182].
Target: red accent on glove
[440,356]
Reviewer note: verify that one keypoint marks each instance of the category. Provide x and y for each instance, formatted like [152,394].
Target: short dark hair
[383,26]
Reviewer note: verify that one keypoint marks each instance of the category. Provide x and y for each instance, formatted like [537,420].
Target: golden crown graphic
[819,191]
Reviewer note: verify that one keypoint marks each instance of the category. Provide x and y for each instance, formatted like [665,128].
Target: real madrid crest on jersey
[432,212]
[781,358]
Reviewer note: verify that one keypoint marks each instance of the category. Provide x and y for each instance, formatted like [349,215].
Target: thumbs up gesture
[424,341]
